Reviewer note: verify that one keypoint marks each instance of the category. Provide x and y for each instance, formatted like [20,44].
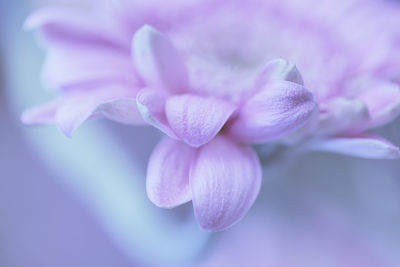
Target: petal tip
[67,131]
[157,61]
[225,181]
[167,181]
[279,69]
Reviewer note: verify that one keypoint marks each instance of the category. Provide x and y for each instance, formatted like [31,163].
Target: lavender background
[82,202]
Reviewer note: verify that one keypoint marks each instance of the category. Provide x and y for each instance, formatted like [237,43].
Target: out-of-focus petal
[157,60]
[279,108]
[70,65]
[71,25]
[383,102]
[279,69]
[43,114]
[225,181]
[79,105]
[365,146]
[75,106]
[196,119]
[168,173]
[342,115]
[122,110]
[151,105]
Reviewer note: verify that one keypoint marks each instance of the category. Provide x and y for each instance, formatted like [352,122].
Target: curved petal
[342,115]
[75,106]
[168,173]
[196,119]
[383,102]
[43,114]
[72,25]
[157,60]
[81,50]
[122,110]
[71,65]
[281,107]
[365,146]
[279,69]
[225,181]
[151,105]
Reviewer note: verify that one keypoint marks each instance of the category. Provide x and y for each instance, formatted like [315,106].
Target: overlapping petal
[279,69]
[151,105]
[75,106]
[196,119]
[71,65]
[277,109]
[157,60]
[225,181]
[342,115]
[364,146]
[383,101]
[43,114]
[60,25]
[168,173]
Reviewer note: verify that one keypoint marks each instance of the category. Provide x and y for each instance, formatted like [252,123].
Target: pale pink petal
[79,105]
[43,114]
[157,60]
[383,102]
[279,69]
[62,24]
[196,119]
[365,146]
[71,65]
[278,109]
[342,115]
[80,49]
[151,105]
[168,173]
[73,107]
[122,110]
[225,181]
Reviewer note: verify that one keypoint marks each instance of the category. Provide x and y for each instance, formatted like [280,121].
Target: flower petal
[157,60]
[122,110]
[71,65]
[75,106]
[365,146]
[279,69]
[63,24]
[79,105]
[196,119]
[80,49]
[168,173]
[151,105]
[225,181]
[281,107]
[44,114]
[383,102]
[342,115]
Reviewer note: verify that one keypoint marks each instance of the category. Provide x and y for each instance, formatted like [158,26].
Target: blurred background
[82,201]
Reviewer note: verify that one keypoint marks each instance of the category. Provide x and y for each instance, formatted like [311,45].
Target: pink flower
[210,121]
[206,159]
[212,83]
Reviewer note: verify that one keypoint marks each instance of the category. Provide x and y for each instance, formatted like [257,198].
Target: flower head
[206,73]
[207,159]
